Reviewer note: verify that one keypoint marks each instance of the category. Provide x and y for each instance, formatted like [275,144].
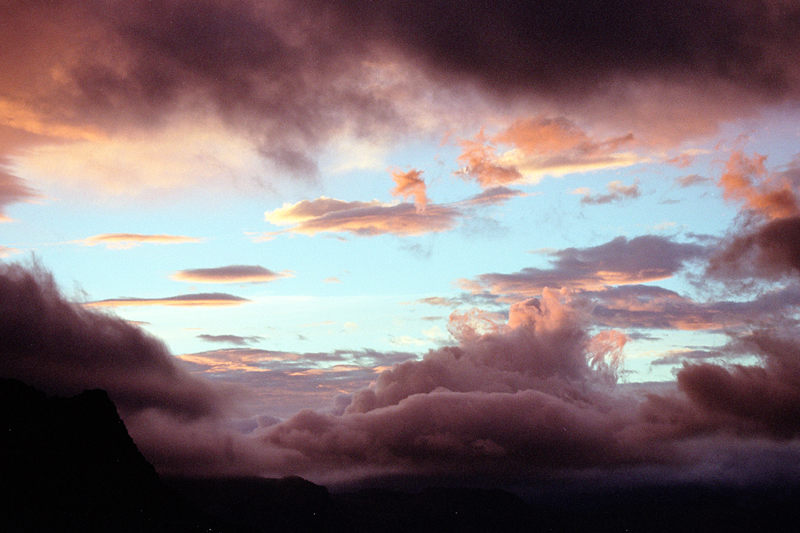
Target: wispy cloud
[124,241]
[617,191]
[310,217]
[212,299]
[236,340]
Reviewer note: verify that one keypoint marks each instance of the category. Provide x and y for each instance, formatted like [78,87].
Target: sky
[365,240]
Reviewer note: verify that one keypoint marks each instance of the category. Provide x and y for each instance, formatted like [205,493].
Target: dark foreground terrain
[68,464]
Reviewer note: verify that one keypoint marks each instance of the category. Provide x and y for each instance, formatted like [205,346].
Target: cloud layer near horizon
[509,402]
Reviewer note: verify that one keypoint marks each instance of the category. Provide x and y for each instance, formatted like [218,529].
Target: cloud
[12,190]
[411,184]
[230,339]
[762,399]
[6,251]
[211,299]
[616,192]
[64,348]
[288,80]
[766,244]
[539,147]
[771,195]
[512,401]
[692,179]
[617,262]
[642,306]
[309,217]
[230,274]
[493,196]
[124,241]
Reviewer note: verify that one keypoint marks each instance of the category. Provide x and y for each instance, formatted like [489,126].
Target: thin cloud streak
[210,299]
[124,241]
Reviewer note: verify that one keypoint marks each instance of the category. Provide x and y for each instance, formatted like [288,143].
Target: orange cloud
[309,217]
[747,180]
[411,184]
[122,241]
[540,147]
[230,274]
[183,300]
[6,251]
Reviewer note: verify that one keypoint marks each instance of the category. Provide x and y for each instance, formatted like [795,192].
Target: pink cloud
[310,217]
[410,184]
[182,300]
[129,240]
[746,180]
[538,147]
[12,190]
[230,274]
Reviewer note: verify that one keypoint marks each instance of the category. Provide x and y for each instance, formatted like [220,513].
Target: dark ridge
[68,464]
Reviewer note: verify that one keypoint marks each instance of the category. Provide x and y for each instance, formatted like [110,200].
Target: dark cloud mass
[291,77]
[573,48]
[64,348]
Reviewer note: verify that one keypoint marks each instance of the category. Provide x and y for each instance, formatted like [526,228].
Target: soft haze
[351,240]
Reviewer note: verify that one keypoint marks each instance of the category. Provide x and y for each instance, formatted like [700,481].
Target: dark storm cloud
[577,47]
[64,348]
[292,76]
[756,399]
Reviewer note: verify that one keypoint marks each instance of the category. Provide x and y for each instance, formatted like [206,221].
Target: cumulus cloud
[310,217]
[123,241]
[539,147]
[617,191]
[230,274]
[510,401]
[182,300]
